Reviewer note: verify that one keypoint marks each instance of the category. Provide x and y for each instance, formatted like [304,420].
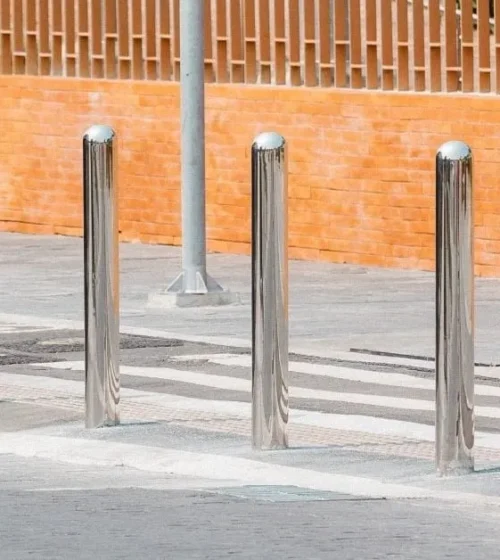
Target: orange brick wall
[361,164]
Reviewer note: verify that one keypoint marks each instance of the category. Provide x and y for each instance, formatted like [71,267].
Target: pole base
[191,290]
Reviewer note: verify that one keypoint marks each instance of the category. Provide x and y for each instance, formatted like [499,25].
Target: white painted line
[77,389]
[243,385]
[348,422]
[237,384]
[483,371]
[336,372]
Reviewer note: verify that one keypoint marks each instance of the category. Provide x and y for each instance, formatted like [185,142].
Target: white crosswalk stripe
[228,383]
[337,372]
[227,408]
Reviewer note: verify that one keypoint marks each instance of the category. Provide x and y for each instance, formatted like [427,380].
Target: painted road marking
[234,409]
[243,385]
[336,372]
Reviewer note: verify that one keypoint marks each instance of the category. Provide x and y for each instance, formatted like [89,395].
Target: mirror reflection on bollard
[101,273]
[454,309]
[269,292]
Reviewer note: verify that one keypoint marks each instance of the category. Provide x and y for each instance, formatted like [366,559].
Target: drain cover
[281,494]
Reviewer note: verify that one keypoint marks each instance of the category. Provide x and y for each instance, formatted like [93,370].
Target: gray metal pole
[193,279]
[269,292]
[454,309]
[101,271]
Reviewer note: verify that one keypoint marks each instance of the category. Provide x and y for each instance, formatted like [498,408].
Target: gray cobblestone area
[132,523]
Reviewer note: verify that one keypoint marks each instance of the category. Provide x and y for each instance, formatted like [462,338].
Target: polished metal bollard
[269,292]
[454,309]
[101,270]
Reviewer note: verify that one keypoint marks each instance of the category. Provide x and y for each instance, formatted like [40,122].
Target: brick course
[361,164]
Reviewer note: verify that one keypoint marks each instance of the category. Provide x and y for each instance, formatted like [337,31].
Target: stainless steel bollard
[101,270]
[454,309]
[269,292]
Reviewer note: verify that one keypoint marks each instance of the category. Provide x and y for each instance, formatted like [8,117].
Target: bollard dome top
[100,133]
[455,150]
[268,141]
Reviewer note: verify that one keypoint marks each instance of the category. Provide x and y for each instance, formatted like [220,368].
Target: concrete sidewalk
[332,307]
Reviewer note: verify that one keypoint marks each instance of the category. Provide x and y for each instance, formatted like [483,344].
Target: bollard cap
[268,141]
[99,133]
[454,150]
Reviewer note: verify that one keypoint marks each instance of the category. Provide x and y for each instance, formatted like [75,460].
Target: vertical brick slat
[497,44]
[355,35]
[57,38]
[435,44]
[110,41]
[177,39]
[372,80]
[210,64]
[149,33]
[237,52]
[310,44]
[325,33]
[165,38]
[250,43]
[452,67]
[265,42]
[17,11]
[418,45]
[83,37]
[6,37]
[294,42]
[387,54]
[222,39]
[403,75]
[124,56]
[31,38]
[70,38]
[341,42]
[137,40]
[483,13]
[467,32]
